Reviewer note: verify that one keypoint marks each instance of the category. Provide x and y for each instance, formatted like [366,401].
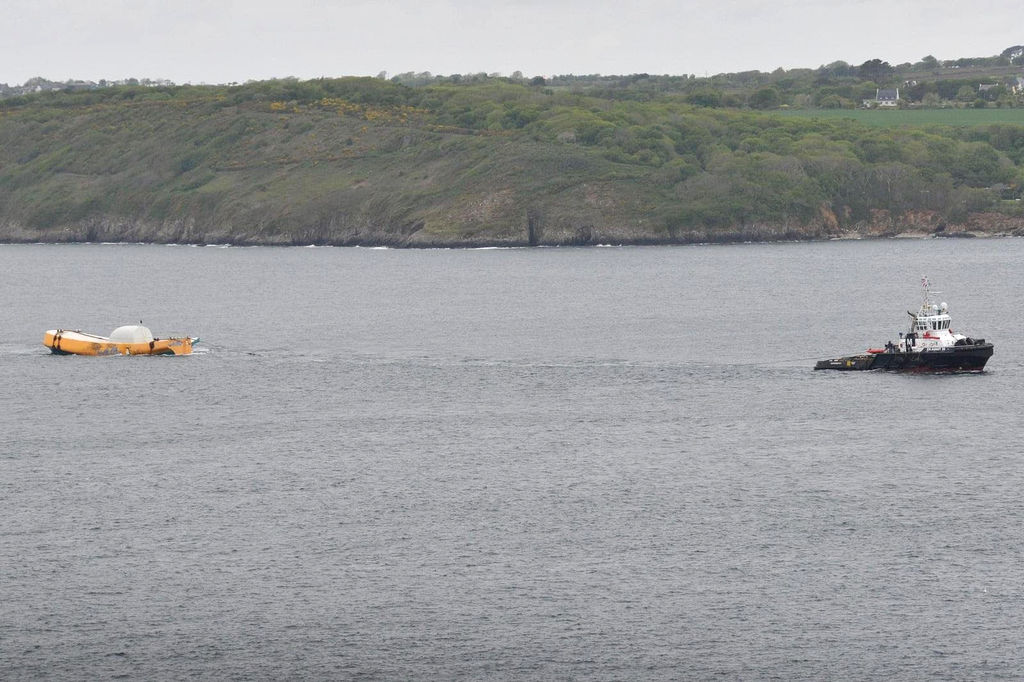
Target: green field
[912,117]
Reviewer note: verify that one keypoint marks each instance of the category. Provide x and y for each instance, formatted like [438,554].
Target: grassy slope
[202,171]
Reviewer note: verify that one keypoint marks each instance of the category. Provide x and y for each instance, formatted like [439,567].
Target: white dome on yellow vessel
[132,333]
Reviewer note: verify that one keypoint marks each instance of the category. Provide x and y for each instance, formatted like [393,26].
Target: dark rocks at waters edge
[534,231]
[190,231]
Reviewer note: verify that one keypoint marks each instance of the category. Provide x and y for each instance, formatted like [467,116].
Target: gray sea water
[601,463]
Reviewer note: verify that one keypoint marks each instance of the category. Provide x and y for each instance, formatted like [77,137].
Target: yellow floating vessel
[133,339]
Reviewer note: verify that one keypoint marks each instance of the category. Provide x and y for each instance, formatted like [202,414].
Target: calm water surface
[535,464]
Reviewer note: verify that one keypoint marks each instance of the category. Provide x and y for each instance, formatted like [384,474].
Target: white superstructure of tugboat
[930,345]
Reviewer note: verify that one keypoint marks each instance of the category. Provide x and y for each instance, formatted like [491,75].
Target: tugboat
[929,346]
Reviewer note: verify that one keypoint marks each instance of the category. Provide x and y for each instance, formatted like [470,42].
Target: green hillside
[914,117]
[475,161]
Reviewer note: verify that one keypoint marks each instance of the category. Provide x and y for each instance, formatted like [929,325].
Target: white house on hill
[884,98]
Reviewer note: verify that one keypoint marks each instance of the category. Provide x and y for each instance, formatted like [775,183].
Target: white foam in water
[17,349]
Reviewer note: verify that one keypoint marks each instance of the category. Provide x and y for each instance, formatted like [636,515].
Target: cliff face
[932,223]
[533,229]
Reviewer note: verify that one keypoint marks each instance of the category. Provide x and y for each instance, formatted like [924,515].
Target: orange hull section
[65,342]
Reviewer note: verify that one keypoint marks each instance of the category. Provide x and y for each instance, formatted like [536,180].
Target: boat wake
[12,349]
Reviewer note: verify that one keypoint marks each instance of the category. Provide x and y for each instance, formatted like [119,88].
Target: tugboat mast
[927,290]
[926,305]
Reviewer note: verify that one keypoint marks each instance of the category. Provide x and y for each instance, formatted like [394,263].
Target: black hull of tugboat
[956,359]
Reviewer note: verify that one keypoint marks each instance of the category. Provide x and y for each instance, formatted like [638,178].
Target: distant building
[884,98]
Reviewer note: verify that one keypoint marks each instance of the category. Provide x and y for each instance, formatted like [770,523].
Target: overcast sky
[222,41]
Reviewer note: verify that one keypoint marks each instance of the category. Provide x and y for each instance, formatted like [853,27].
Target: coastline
[470,245]
[600,230]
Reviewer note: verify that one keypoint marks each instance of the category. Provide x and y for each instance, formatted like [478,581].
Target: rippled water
[547,463]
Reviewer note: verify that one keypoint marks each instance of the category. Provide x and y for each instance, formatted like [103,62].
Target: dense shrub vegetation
[419,159]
